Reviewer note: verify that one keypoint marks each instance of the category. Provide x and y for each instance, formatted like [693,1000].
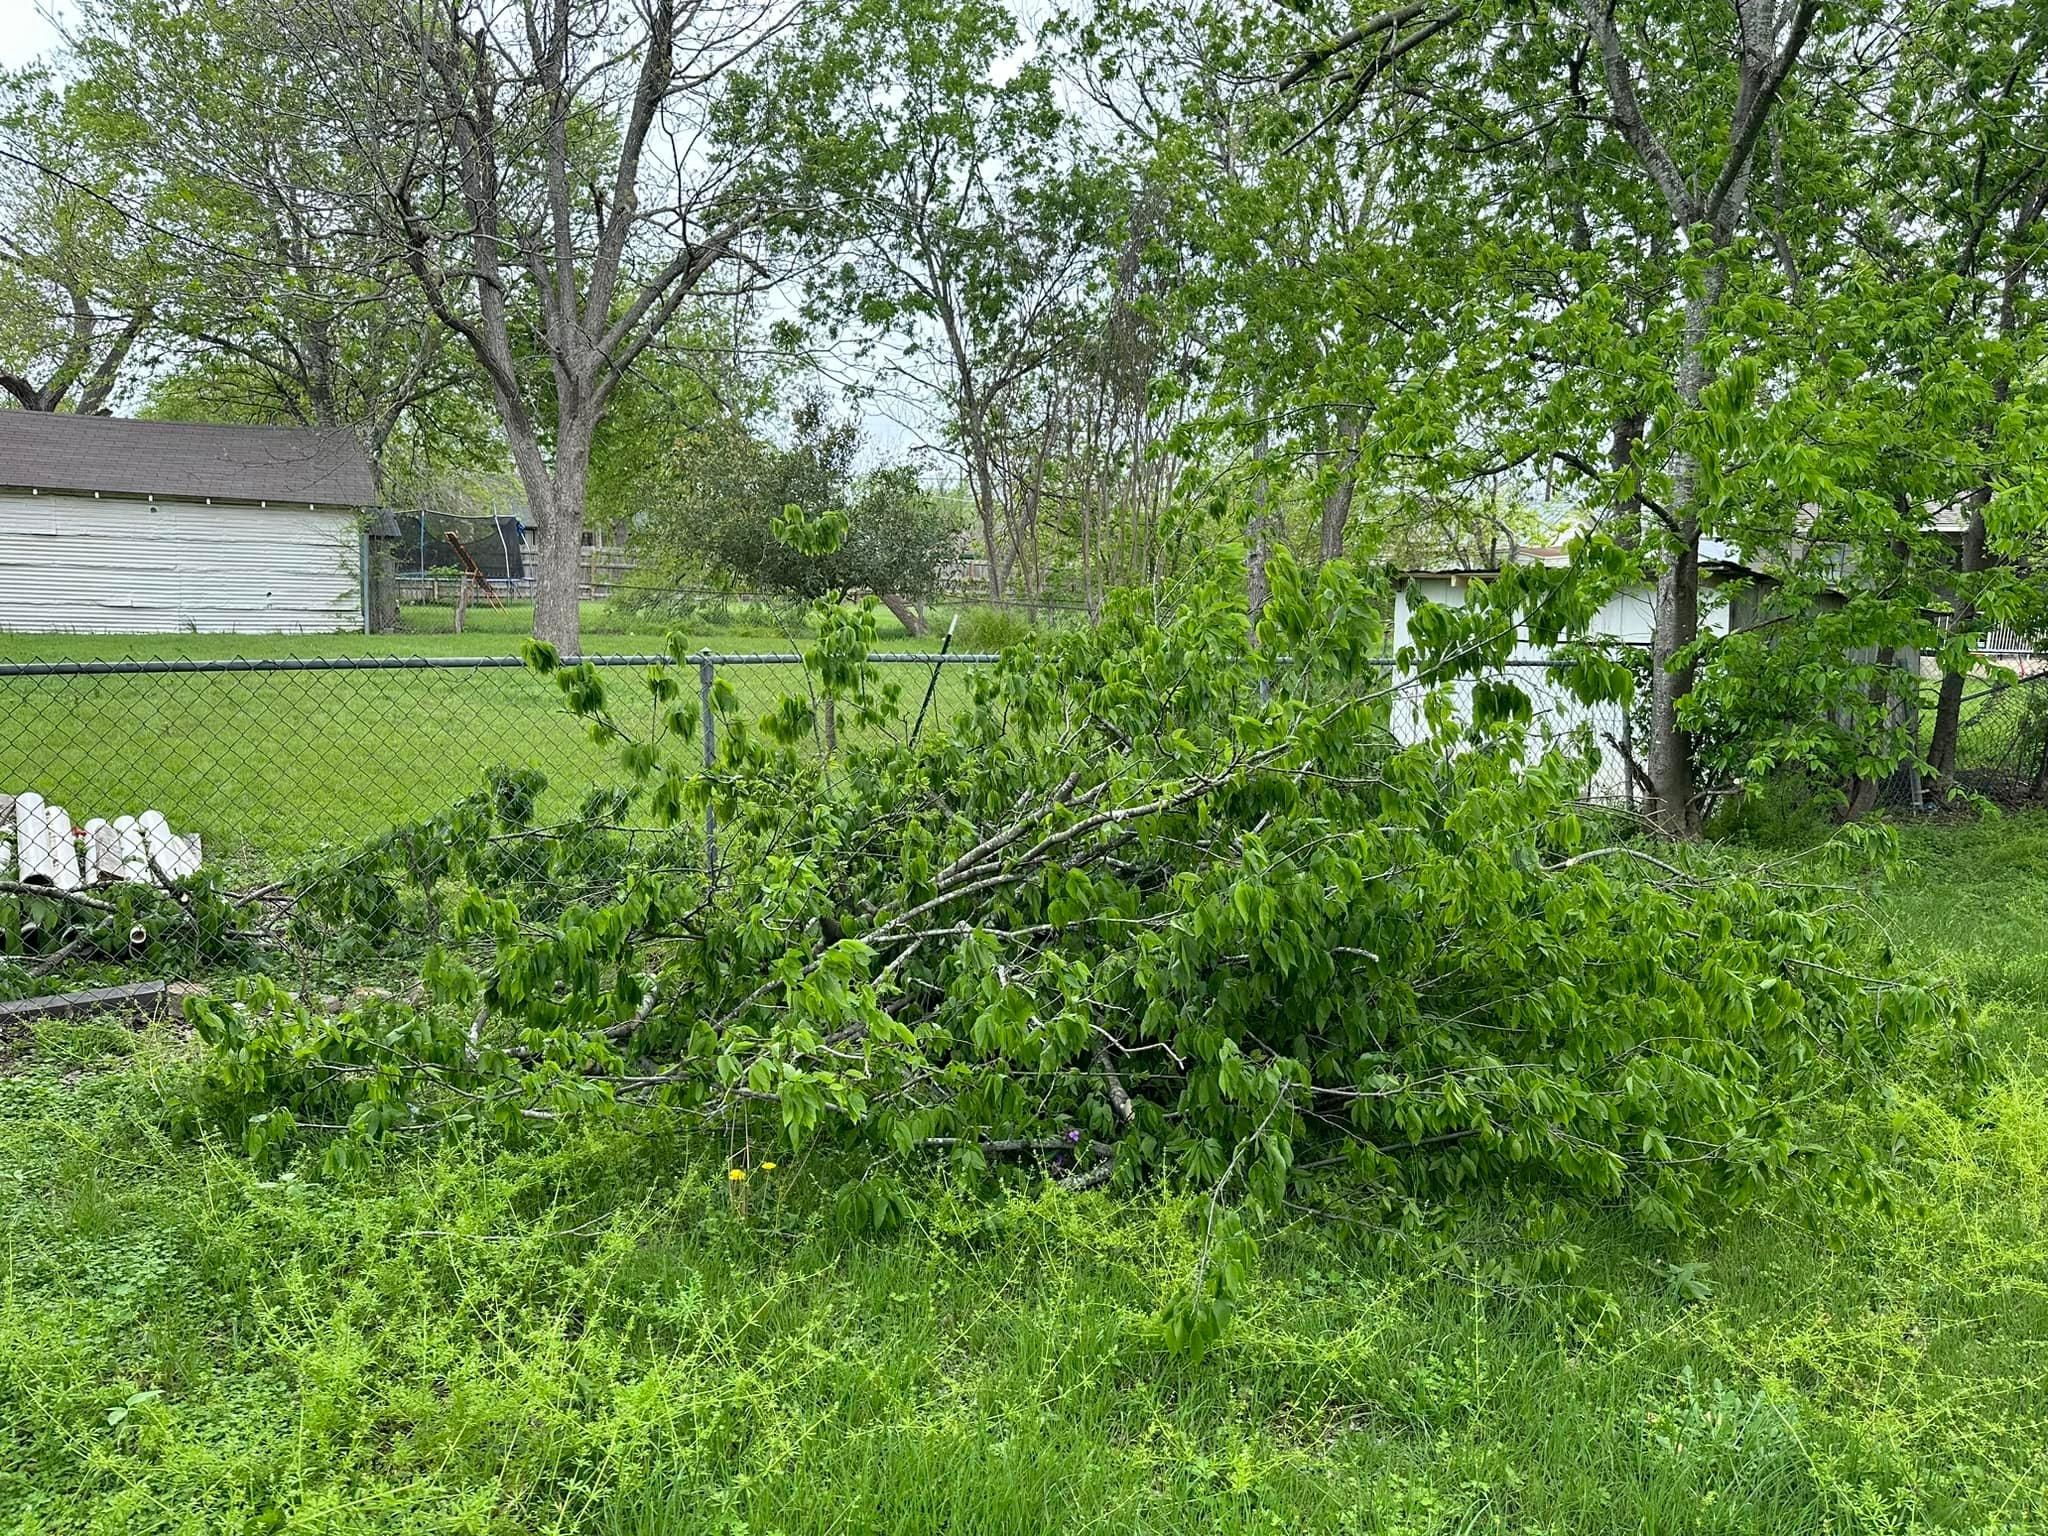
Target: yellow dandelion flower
[767,1167]
[736,1174]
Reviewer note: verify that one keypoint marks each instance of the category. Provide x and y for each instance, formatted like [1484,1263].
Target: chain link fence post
[1628,753]
[707,674]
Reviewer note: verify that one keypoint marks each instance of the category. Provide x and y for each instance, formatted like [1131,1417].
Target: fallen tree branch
[55,961]
[53,893]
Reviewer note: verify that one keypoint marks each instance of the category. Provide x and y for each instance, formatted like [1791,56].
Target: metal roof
[182,460]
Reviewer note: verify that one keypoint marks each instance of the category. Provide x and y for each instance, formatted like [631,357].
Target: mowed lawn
[597,1331]
[268,764]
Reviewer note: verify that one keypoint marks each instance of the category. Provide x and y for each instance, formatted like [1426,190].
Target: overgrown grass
[601,1332]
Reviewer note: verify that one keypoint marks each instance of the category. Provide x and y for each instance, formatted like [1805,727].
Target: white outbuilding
[1730,597]
[115,526]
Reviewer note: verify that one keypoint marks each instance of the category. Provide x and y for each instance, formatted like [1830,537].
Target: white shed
[1629,616]
[116,526]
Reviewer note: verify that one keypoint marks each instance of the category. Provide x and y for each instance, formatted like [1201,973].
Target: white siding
[116,566]
[1630,615]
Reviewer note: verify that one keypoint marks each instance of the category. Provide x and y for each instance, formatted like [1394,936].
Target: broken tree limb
[1119,1101]
[55,893]
[1096,1173]
[1628,760]
[57,960]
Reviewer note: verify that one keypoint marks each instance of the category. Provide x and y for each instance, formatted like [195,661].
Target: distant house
[114,526]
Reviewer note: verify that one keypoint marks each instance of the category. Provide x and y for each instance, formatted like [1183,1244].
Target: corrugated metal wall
[111,566]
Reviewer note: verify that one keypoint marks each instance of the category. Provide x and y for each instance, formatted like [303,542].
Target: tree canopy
[1747,285]
[725,496]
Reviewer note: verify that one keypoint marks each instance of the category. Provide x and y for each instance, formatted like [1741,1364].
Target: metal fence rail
[269,757]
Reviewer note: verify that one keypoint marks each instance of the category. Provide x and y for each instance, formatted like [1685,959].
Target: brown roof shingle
[181,460]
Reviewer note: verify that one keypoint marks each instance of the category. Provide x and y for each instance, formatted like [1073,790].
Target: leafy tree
[1959,214]
[1483,257]
[729,492]
[284,309]
[1626,189]
[970,229]
[561,178]
[81,259]
[1314,269]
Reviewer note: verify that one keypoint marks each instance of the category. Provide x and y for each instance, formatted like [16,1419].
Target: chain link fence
[1555,716]
[2002,740]
[110,767]
[268,758]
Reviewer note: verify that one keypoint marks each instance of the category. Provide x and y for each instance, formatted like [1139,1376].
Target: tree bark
[558,588]
[1862,792]
[1337,504]
[985,505]
[1626,519]
[1257,586]
[1948,703]
[906,612]
[1673,806]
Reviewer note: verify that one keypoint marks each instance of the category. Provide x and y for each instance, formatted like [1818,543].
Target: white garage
[114,526]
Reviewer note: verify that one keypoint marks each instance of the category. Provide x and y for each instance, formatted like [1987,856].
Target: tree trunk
[1336,513]
[383,595]
[1672,806]
[985,505]
[1257,587]
[556,495]
[1862,792]
[1626,520]
[1678,626]
[1948,704]
[31,397]
[1337,505]
[906,612]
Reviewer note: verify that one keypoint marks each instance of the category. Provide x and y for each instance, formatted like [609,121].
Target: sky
[26,29]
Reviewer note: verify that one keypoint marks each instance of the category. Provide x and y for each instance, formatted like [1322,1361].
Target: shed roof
[183,461]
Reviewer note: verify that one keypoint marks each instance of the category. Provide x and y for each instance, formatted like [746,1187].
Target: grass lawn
[264,765]
[598,1333]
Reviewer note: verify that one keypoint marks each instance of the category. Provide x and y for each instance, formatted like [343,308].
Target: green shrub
[1785,808]
[983,628]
